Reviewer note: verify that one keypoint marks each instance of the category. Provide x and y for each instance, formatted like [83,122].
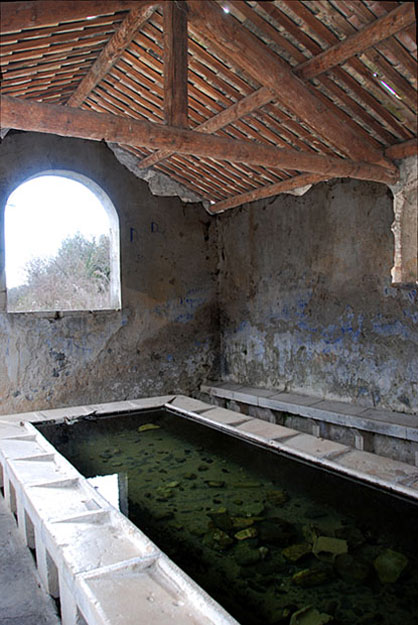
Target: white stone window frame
[114,236]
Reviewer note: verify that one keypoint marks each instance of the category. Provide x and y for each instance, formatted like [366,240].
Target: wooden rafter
[112,52]
[175,64]
[248,53]
[19,15]
[384,27]
[230,115]
[285,186]
[67,121]
[402,150]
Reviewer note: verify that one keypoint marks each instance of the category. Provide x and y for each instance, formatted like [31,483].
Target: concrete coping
[102,567]
[375,420]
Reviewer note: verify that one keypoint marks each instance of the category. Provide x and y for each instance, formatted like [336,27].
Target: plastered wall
[306,298]
[165,337]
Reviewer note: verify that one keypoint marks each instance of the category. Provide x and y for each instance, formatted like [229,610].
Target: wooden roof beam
[399,18]
[230,115]
[72,122]
[112,52]
[20,15]
[285,186]
[402,150]
[230,40]
[175,64]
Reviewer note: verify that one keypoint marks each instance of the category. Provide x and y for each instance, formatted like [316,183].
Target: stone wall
[165,337]
[306,298]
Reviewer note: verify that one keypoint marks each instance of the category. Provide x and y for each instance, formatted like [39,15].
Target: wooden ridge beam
[399,18]
[285,186]
[17,16]
[72,122]
[112,52]
[230,40]
[402,150]
[230,115]
[175,64]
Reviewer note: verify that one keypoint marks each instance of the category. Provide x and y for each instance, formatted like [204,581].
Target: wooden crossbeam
[19,15]
[72,122]
[112,52]
[285,186]
[399,18]
[230,115]
[239,45]
[175,64]
[402,150]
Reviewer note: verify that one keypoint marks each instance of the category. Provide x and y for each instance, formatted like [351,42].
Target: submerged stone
[214,483]
[217,539]
[350,568]
[326,548]
[389,566]
[148,426]
[309,616]
[190,476]
[277,497]
[310,577]
[293,553]
[221,519]
[245,555]
[249,532]
[241,523]
[276,531]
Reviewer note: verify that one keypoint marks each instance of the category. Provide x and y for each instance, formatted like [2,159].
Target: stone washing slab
[151,402]
[377,421]
[382,469]
[154,589]
[225,416]
[316,447]
[267,430]
[96,539]
[188,403]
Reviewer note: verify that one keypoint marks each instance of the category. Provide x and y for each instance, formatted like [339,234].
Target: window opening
[62,245]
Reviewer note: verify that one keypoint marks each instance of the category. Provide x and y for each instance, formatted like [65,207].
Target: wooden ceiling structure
[236,100]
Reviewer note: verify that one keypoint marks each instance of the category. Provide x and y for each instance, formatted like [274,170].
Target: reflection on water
[273,540]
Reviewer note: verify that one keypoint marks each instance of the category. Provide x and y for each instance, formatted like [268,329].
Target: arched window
[61,245]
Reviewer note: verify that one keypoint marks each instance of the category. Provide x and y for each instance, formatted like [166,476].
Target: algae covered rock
[350,568]
[246,555]
[277,497]
[293,553]
[249,532]
[221,519]
[217,539]
[327,549]
[389,565]
[148,426]
[276,531]
[310,577]
[309,616]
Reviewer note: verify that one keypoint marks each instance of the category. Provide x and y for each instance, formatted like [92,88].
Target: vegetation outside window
[62,245]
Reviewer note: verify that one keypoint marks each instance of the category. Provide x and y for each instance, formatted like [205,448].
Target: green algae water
[273,540]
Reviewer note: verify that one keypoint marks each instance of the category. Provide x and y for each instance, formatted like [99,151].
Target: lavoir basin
[273,537]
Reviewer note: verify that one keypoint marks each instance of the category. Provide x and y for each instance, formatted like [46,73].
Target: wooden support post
[175,64]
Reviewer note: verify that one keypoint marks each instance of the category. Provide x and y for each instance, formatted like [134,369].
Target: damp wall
[164,339]
[307,302]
